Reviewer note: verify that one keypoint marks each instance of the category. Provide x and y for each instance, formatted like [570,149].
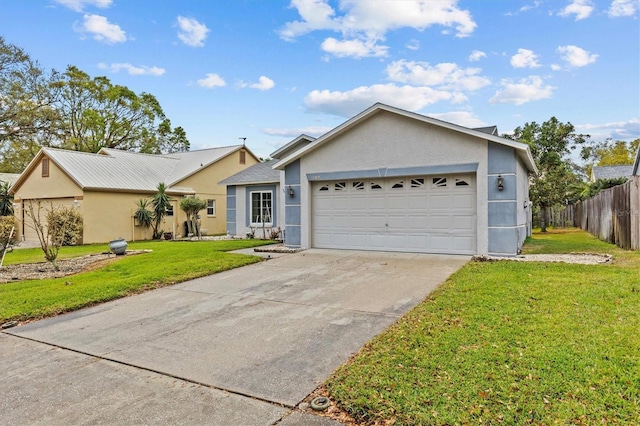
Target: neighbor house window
[211,207]
[243,157]
[45,167]
[261,208]
[170,211]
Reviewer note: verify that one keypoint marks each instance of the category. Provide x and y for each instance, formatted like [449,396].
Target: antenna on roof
[243,141]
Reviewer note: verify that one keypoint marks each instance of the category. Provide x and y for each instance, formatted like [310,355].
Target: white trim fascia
[522,148]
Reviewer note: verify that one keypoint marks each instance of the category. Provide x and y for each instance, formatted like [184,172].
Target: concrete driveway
[243,347]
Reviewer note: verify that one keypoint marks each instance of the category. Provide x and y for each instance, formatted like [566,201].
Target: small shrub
[7,223]
[65,224]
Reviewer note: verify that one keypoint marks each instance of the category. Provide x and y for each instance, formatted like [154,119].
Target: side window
[211,207]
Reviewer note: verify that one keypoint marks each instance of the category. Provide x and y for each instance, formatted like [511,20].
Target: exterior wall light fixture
[500,183]
[290,191]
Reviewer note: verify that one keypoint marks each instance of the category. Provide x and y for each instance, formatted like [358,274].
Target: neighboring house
[106,187]
[610,172]
[9,177]
[393,180]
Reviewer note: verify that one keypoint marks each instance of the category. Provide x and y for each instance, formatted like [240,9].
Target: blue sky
[269,70]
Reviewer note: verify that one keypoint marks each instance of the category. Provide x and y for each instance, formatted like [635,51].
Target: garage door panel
[439,223]
[464,223]
[462,202]
[440,202]
[430,215]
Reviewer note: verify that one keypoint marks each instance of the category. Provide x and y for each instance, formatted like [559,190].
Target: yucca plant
[143,215]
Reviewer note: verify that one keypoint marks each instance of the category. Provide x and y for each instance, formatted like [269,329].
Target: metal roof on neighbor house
[258,173]
[9,177]
[113,169]
[184,164]
[611,172]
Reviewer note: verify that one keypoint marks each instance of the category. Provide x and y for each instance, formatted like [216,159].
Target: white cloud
[353,48]
[294,132]
[192,33]
[575,56]
[523,91]
[212,80]
[620,130]
[101,29]
[620,8]
[525,58]
[369,21]
[444,76]
[79,5]
[461,118]
[476,55]
[133,70]
[582,9]
[349,103]
[413,44]
[264,83]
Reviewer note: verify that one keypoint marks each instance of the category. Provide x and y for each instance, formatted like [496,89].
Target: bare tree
[61,225]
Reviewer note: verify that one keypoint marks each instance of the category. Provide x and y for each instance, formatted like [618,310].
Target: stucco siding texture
[387,140]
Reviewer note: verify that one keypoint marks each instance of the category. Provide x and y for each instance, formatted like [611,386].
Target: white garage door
[28,229]
[427,214]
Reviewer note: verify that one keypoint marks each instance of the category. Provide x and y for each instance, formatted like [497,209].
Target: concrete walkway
[243,347]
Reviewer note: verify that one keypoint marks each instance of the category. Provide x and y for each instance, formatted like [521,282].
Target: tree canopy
[72,110]
[610,153]
[558,179]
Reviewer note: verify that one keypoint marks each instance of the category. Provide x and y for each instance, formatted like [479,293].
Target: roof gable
[522,149]
[291,147]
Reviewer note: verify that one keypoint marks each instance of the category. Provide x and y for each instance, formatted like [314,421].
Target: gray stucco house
[391,180]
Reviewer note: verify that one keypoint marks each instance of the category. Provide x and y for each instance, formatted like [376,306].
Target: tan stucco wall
[205,183]
[53,187]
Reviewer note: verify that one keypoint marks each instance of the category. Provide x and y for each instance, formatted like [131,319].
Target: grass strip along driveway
[168,262]
[509,343]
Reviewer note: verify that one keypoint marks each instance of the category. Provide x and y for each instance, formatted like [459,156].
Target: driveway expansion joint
[151,370]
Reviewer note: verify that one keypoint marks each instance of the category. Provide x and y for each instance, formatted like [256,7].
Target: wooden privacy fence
[613,215]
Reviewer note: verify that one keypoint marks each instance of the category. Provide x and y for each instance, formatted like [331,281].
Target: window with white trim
[211,207]
[261,208]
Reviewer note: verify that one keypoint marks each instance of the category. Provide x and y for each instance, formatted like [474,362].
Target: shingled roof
[611,172]
[258,173]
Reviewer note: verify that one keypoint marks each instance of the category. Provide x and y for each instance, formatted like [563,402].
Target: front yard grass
[509,343]
[167,263]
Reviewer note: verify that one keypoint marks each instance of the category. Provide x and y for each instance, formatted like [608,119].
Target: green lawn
[509,343]
[167,263]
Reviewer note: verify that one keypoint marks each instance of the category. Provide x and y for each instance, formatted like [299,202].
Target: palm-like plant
[143,215]
[160,203]
[6,200]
